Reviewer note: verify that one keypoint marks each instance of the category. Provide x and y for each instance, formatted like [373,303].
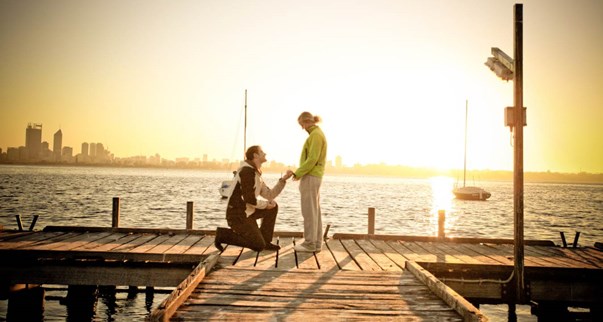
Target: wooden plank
[384,262]
[184,244]
[345,261]
[284,295]
[28,239]
[129,230]
[267,259]
[452,298]
[6,235]
[305,260]
[258,279]
[326,260]
[591,255]
[286,256]
[485,255]
[132,241]
[205,246]
[557,254]
[585,261]
[168,307]
[50,243]
[230,255]
[391,253]
[39,242]
[167,244]
[362,259]
[462,240]
[95,273]
[441,254]
[247,258]
[239,313]
[107,243]
[80,240]
[414,252]
[459,252]
[507,251]
[150,244]
[543,259]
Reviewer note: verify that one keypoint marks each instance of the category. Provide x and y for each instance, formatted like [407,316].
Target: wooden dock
[354,277]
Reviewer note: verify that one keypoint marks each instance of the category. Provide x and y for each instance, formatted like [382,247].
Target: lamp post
[507,68]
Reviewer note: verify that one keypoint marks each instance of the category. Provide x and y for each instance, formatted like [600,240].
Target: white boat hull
[471,193]
[226,188]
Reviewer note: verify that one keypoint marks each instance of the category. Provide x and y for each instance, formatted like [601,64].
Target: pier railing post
[371,220]
[189,214]
[441,223]
[115,213]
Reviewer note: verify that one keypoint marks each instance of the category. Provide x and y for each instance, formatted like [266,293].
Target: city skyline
[390,79]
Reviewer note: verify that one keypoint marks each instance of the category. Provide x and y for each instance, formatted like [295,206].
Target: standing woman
[310,172]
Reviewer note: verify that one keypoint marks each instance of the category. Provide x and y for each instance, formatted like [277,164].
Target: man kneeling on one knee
[245,208]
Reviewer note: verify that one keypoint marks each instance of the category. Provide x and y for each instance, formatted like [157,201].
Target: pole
[441,223]
[189,214]
[371,221]
[115,213]
[245,128]
[465,161]
[518,154]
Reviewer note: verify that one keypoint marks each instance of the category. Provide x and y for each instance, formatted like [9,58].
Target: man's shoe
[217,240]
[272,246]
[303,248]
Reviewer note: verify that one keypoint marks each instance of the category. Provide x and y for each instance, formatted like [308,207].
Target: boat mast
[465,161]
[245,129]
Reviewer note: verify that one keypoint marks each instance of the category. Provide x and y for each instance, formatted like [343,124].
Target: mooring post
[575,244]
[371,220]
[115,213]
[189,214]
[563,239]
[19,223]
[33,222]
[441,223]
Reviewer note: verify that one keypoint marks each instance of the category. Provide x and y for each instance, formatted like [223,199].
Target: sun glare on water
[441,191]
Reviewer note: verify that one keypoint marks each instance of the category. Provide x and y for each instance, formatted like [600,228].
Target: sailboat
[227,185]
[469,192]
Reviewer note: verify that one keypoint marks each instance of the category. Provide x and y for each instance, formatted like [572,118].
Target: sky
[389,78]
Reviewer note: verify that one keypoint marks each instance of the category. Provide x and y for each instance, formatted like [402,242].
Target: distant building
[101,156]
[12,154]
[46,154]
[33,141]
[57,145]
[92,151]
[67,154]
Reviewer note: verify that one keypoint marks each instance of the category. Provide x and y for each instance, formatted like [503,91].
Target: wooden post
[115,217]
[19,223]
[26,303]
[81,302]
[33,222]
[371,220]
[575,244]
[518,154]
[441,223]
[189,214]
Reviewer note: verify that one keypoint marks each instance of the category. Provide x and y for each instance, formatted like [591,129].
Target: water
[156,198]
